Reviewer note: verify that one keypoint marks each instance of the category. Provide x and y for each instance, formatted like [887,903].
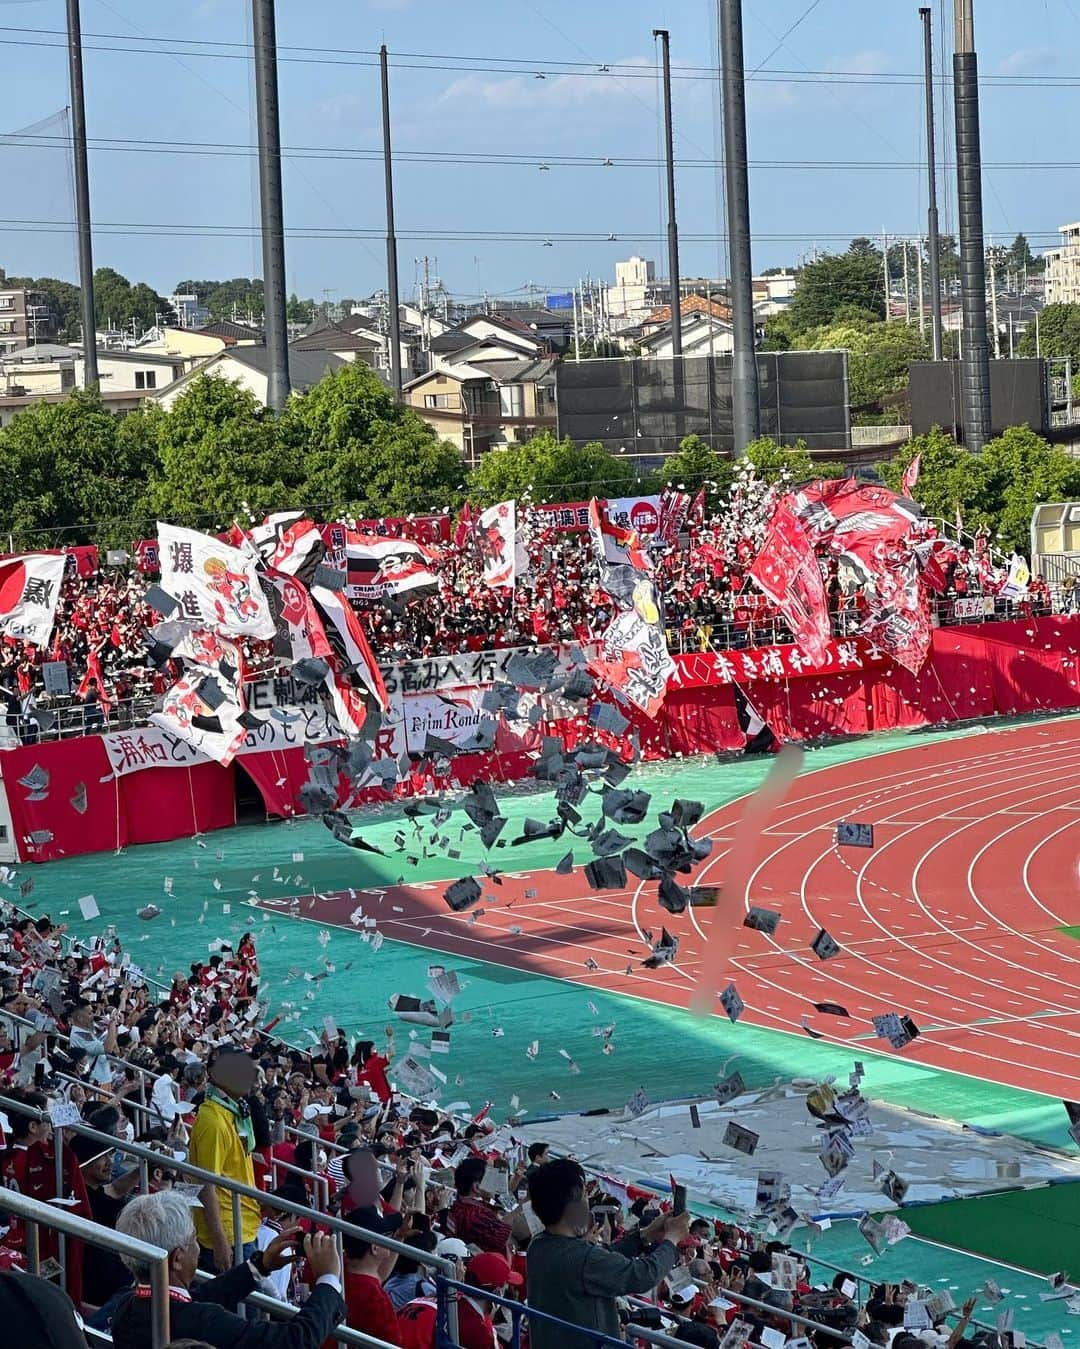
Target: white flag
[29,590]
[496,531]
[213,583]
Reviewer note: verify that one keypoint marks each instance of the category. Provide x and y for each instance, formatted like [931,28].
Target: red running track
[952,918]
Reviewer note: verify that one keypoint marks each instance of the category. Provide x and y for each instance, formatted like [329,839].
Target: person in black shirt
[104,1274]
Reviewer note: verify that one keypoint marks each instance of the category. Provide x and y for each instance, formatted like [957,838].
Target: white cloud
[1027,61]
[871,62]
[521,93]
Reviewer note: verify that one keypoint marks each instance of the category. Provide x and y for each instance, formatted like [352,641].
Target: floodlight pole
[82,195]
[672,226]
[271,210]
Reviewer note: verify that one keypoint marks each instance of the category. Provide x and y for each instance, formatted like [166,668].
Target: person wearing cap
[578,1280]
[486,1272]
[199,1310]
[471,1217]
[367,1267]
[222,1141]
[104,1274]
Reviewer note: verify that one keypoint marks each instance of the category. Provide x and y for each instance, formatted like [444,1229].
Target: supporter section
[139,789]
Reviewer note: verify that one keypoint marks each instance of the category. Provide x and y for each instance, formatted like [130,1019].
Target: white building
[630,294]
[1062,276]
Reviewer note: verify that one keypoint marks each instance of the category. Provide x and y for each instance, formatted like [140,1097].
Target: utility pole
[919,286]
[975,374]
[271,211]
[745,409]
[577,331]
[82,195]
[932,250]
[993,303]
[672,227]
[394,330]
[907,293]
[885,271]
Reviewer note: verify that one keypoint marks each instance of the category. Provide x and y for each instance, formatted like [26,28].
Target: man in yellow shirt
[222,1141]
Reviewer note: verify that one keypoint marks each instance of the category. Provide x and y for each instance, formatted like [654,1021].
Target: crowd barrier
[146,786]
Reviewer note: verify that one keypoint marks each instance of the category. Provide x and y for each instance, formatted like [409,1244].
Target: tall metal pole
[745,410]
[672,227]
[975,372]
[394,337]
[931,185]
[885,279]
[82,195]
[271,211]
[907,290]
[919,286]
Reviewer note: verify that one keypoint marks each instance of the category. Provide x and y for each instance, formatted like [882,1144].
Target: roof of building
[231,332]
[454,340]
[689,304]
[332,337]
[39,351]
[517,372]
[305,367]
[693,323]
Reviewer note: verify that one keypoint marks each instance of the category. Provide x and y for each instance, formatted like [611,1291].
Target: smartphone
[39,1075]
[678,1195]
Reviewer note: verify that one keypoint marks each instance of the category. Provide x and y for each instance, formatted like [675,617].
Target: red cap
[491,1270]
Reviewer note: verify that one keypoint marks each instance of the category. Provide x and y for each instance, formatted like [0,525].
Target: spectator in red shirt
[371,1067]
[471,1218]
[368,1305]
[476,1330]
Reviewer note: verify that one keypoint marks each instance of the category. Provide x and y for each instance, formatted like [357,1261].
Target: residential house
[703,334]
[233,334]
[485,337]
[184,343]
[48,372]
[486,405]
[690,304]
[25,317]
[249,366]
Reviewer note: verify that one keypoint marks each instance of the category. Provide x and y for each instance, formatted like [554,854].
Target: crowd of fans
[189,1071]
[709,604]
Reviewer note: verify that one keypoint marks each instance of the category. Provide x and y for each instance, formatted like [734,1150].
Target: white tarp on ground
[938,1158]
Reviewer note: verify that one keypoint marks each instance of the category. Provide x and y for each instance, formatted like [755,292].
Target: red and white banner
[635,661]
[214,583]
[708,669]
[380,569]
[787,572]
[146,556]
[205,705]
[29,591]
[496,534]
[614,544]
[640,513]
[352,657]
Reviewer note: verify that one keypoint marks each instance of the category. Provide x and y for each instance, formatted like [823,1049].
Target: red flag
[787,572]
[464,526]
[697,509]
[911,474]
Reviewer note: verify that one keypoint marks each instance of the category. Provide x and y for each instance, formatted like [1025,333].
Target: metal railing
[236,1190]
[35,1215]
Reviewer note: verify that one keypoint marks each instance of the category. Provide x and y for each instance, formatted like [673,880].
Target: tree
[948,257]
[64,301]
[220,456]
[998,488]
[695,465]
[364,451]
[547,469]
[71,472]
[1059,333]
[239,298]
[117,301]
[773,462]
[878,359]
[862,247]
[1021,257]
[832,282]
[299,311]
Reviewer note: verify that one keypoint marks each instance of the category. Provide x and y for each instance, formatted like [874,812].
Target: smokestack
[975,368]
[271,211]
[746,415]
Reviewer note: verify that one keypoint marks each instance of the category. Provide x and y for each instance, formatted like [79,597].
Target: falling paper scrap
[742,1140]
[147,912]
[732,1004]
[762,920]
[730,1087]
[824,947]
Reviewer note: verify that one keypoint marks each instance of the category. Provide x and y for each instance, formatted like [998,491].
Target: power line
[240,51]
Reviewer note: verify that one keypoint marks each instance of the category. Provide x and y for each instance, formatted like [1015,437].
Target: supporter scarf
[240,1113]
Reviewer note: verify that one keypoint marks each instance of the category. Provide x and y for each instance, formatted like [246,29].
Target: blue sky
[483,98]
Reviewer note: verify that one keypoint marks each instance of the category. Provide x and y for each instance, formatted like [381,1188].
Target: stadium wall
[142,786]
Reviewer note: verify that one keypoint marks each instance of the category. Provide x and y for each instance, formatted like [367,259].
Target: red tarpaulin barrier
[1024,665]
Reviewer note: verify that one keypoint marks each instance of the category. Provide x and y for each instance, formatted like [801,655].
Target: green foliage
[547,469]
[1059,333]
[879,355]
[998,489]
[117,301]
[219,452]
[772,461]
[695,465]
[225,299]
[71,472]
[364,452]
[836,280]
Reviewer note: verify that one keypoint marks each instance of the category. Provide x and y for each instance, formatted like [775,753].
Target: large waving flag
[205,707]
[29,592]
[387,569]
[213,583]
[496,533]
[787,573]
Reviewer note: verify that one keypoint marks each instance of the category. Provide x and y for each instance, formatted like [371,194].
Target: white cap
[453,1248]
